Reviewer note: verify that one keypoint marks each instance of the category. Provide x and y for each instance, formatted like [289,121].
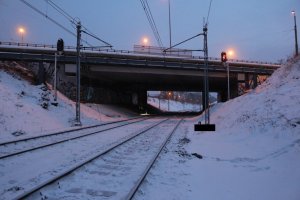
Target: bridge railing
[109,50]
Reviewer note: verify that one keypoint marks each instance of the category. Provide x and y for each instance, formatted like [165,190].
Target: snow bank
[173,106]
[21,113]
[254,153]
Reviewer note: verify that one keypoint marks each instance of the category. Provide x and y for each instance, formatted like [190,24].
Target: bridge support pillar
[234,88]
[254,80]
[41,73]
[247,85]
[142,101]
[222,96]
[203,101]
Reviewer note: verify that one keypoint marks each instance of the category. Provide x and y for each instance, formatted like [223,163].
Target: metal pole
[78,123]
[170,30]
[205,80]
[228,83]
[159,102]
[296,39]
[55,78]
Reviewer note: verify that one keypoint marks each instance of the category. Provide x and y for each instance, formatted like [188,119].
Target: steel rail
[133,191]
[84,162]
[66,131]
[66,140]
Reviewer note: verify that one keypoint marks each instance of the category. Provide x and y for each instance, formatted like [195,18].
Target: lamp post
[22,31]
[145,41]
[295,28]
[228,82]
[170,30]
[169,96]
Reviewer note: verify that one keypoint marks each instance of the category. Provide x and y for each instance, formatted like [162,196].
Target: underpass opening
[177,101]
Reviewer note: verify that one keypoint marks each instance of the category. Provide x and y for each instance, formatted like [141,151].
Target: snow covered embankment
[26,110]
[254,154]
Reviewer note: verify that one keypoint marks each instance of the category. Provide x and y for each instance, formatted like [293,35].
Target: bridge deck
[129,59]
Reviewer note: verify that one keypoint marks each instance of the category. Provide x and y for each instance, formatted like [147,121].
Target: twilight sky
[255,29]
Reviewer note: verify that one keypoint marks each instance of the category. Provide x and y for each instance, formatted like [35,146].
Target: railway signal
[223,57]
[60,46]
[224,60]
[60,51]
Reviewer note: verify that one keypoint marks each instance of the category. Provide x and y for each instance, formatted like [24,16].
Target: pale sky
[259,30]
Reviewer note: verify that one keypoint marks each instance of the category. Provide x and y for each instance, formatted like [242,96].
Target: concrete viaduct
[110,76]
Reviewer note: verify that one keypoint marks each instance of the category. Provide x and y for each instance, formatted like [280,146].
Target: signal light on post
[223,57]
[60,46]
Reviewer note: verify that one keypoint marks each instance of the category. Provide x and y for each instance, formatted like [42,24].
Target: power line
[46,16]
[74,21]
[208,11]
[94,36]
[71,19]
[168,49]
[52,20]
[156,30]
[61,11]
[151,21]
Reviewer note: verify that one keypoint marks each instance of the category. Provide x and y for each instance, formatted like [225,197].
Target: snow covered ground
[254,153]
[21,113]
[174,106]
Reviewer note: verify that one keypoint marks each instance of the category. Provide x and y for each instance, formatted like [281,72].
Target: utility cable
[52,20]
[183,42]
[108,45]
[208,12]
[46,16]
[61,11]
[74,21]
[151,21]
[154,23]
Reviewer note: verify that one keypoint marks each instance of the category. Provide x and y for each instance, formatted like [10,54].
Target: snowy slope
[21,113]
[254,154]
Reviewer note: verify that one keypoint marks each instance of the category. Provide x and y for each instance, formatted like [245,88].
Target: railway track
[17,147]
[122,168]
[20,174]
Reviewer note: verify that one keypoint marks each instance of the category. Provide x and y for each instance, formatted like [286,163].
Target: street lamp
[230,54]
[295,28]
[145,41]
[169,96]
[170,30]
[21,31]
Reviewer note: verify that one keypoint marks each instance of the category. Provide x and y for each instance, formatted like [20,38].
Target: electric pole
[295,28]
[206,126]
[205,79]
[77,120]
[170,30]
